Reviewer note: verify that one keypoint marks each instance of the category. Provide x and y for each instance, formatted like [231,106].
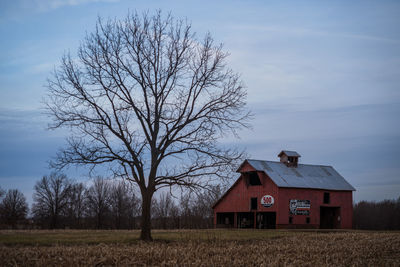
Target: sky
[323,79]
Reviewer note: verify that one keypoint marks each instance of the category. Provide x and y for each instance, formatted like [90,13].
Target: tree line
[60,202]
[382,215]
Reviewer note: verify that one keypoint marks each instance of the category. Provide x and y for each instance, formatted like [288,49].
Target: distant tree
[98,201]
[163,208]
[76,205]
[120,203]
[13,208]
[134,208]
[175,216]
[382,215]
[50,198]
[196,207]
[2,192]
[148,99]
[186,213]
[202,206]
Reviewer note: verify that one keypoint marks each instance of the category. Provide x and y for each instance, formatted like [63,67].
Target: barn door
[266,220]
[329,218]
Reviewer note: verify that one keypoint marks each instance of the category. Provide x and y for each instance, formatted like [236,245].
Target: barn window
[307,220]
[254,179]
[253,203]
[290,220]
[327,197]
[292,160]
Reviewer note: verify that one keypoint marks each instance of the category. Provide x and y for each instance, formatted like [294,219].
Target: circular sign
[267,201]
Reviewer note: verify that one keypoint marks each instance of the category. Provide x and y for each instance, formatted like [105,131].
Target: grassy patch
[93,237]
[67,237]
[219,234]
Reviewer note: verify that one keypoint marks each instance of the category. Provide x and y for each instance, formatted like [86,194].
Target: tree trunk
[146,216]
[54,222]
[99,220]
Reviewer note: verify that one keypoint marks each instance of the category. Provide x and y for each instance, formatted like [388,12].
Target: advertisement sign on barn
[267,201]
[299,207]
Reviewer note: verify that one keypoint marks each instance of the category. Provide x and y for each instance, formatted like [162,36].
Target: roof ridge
[308,164]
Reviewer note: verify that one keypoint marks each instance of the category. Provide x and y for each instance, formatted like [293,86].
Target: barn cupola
[290,158]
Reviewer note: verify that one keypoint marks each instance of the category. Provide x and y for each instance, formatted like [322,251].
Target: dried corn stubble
[305,249]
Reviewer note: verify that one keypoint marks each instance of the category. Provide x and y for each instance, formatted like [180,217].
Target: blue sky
[323,78]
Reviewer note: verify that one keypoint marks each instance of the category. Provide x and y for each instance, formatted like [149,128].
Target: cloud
[41,68]
[17,125]
[377,192]
[311,32]
[47,5]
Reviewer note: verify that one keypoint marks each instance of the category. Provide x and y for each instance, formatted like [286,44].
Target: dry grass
[203,247]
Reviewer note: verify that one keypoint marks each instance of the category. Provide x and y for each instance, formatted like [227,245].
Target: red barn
[285,194]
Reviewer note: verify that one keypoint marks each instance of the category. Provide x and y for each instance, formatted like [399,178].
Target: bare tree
[382,215]
[175,216]
[186,212]
[134,208]
[163,207]
[98,201]
[13,208]
[120,203]
[51,198]
[2,192]
[150,101]
[202,208]
[76,205]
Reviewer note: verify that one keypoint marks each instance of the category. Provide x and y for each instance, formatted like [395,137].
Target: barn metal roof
[303,176]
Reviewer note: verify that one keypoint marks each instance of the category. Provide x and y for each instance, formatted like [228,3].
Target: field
[200,247]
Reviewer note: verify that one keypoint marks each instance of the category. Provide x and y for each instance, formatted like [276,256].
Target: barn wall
[238,199]
[342,199]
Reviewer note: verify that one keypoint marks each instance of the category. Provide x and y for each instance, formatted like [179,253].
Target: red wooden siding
[238,198]
[342,199]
